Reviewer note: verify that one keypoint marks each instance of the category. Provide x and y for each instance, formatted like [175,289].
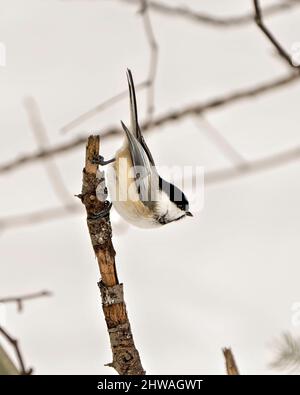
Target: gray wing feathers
[139,157]
[141,166]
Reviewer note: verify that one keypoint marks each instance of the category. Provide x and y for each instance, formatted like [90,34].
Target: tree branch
[254,166]
[222,143]
[180,113]
[260,23]
[100,107]
[186,13]
[20,299]
[126,358]
[231,367]
[211,178]
[37,217]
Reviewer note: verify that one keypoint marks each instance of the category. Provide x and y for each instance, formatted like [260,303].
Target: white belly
[127,203]
[132,214]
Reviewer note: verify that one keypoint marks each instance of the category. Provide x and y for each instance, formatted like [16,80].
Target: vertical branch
[258,17]
[231,366]
[126,358]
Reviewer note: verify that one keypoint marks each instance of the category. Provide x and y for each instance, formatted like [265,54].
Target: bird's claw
[103,213]
[99,160]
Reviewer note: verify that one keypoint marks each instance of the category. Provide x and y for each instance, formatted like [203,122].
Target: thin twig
[40,134]
[126,359]
[175,115]
[100,107]
[253,167]
[260,23]
[211,178]
[186,13]
[222,143]
[153,58]
[37,217]
[231,366]
[14,342]
[43,154]
[20,299]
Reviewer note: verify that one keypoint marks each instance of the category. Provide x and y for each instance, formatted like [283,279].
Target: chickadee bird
[141,196]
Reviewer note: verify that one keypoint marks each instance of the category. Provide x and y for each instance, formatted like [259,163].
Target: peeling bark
[126,359]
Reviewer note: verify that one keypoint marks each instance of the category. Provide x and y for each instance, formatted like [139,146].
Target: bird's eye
[182,206]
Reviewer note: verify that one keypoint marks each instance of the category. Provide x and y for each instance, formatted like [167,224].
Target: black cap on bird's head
[175,195]
[181,202]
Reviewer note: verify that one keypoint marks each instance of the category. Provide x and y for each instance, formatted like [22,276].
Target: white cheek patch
[165,207]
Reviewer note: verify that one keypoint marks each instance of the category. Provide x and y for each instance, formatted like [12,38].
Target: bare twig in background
[175,115]
[260,23]
[43,154]
[231,366]
[214,21]
[288,353]
[41,137]
[222,143]
[15,345]
[37,217]
[211,178]
[153,58]
[126,359]
[100,107]
[20,299]
[254,166]
[50,214]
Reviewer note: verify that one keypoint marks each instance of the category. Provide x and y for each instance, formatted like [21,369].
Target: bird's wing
[144,175]
[134,117]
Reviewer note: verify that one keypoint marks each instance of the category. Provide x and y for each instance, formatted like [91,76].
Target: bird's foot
[99,160]
[103,213]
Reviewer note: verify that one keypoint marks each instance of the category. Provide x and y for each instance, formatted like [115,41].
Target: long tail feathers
[133,107]
[135,129]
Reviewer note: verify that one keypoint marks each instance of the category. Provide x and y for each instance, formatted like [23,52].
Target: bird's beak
[189,214]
